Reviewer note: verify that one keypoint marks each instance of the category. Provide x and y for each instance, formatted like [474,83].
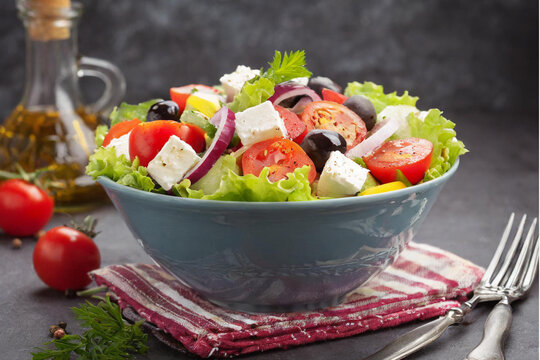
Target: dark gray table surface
[498,176]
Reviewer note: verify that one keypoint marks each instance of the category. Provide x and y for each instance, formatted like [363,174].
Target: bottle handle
[112,77]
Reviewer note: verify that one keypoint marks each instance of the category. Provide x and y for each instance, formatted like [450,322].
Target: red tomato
[64,256]
[282,156]
[120,129]
[296,128]
[412,156]
[180,94]
[336,117]
[334,96]
[24,208]
[147,139]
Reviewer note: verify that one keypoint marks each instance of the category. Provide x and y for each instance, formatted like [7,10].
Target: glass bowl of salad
[276,191]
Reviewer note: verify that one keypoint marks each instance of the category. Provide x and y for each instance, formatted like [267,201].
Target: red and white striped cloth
[423,282]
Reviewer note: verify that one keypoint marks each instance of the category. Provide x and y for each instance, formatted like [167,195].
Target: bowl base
[259,308]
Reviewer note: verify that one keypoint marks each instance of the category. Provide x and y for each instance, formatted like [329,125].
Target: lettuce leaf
[105,162]
[249,187]
[441,133]
[129,112]
[101,131]
[376,95]
[254,92]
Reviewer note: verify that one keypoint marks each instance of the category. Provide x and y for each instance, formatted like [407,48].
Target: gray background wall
[457,55]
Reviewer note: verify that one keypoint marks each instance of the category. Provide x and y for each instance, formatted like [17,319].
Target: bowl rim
[238,205]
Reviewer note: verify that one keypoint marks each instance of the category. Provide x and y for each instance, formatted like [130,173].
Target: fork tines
[518,269]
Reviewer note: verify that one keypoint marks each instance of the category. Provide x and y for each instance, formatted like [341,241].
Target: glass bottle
[51,127]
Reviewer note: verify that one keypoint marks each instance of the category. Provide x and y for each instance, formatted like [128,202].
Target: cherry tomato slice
[119,130]
[24,208]
[296,128]
[180,94]
[64,256]
[282,156]
[334,96]
[412,156]
[147,139]
[336,117]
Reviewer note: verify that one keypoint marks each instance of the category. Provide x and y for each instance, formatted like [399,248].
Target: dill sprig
[108,336]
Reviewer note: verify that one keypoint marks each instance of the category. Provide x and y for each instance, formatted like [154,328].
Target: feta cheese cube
[301,81]
[172,162]
[341,176]
[232,83]
[258,123]
[121,145]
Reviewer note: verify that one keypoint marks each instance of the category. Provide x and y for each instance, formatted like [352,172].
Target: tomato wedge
[336,117]
[180,94]
[147,139]
[334,96]
[296,128]
[412,156]
[282,156]
[119,130]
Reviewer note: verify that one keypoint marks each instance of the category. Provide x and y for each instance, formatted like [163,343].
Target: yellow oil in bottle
[38,138]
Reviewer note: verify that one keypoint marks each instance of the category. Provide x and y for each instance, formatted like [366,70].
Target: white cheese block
[172,162]
[232,83]
[258,123]
[341,176]
[121,145]
[399,113]
[300,81]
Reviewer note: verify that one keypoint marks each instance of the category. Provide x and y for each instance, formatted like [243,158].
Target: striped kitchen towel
[423,282]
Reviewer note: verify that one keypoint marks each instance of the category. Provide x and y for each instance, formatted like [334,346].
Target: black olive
[163,110]
[318,144]
[317,83]
[363,108]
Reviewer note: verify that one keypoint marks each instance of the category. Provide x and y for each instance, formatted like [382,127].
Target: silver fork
[504,283]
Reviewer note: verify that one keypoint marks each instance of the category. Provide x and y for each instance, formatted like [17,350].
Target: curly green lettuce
[129,112]
[375,94]
[101,131]
[105,162]
[234,187]
[441,133]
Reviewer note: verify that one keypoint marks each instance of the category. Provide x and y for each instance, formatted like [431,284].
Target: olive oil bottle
[51,128]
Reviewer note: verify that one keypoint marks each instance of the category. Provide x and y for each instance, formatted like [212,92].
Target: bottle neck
[51,80]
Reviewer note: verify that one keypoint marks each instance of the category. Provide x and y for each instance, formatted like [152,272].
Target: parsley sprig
[291,66]
[108,336]
[259,89]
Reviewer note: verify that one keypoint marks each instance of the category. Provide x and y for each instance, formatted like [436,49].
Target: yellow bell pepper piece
[396,185]
[205,103]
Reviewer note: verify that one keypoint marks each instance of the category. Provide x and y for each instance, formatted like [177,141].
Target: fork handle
[416,339]
[496,330]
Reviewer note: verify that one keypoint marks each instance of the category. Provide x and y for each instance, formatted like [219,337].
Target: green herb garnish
[108,336]
[261,88]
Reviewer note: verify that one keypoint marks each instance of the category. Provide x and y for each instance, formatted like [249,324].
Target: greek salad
[275,134]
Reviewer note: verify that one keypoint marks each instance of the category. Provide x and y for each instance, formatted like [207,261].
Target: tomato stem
[93,291]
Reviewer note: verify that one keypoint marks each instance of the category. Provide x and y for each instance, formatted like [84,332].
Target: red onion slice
[225,131]
[286,91]
[299,107]
[386,129]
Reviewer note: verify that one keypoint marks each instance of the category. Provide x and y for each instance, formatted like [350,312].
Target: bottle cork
[45,26]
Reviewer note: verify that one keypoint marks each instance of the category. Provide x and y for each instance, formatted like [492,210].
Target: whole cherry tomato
[24,208]
[64,256]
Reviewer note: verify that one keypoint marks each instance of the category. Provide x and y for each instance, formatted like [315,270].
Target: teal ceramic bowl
[275,257]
